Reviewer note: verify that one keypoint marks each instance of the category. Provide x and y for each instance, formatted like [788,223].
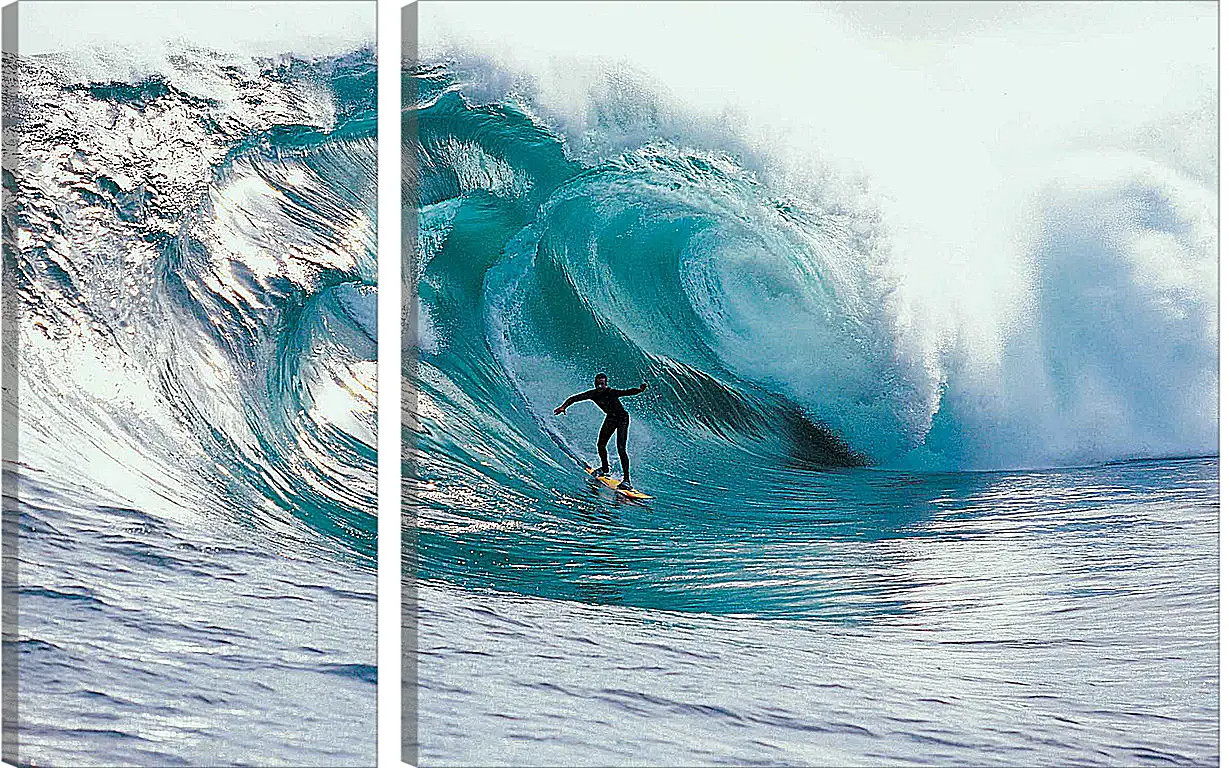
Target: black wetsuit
[607,398]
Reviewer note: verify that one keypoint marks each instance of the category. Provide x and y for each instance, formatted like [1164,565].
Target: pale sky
[872,78]
[307,27]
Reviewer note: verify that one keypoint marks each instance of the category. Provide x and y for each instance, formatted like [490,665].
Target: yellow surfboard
[613,484]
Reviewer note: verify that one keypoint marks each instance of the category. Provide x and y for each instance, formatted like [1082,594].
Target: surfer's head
[599,381]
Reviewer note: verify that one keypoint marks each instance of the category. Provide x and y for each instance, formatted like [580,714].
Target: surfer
[617,420]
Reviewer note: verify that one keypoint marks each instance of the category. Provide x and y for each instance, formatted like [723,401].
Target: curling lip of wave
[636,264]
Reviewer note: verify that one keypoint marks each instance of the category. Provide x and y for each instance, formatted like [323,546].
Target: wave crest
[203,240]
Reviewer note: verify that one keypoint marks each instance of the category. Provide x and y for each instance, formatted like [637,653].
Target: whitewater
[921,494]
[190,269]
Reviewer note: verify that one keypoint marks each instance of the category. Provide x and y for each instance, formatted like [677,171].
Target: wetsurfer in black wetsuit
[607,398]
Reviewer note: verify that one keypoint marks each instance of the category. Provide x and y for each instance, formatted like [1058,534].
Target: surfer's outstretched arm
[633,391]
[575,399]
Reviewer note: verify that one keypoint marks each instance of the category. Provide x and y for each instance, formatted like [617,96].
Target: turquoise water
[860,550]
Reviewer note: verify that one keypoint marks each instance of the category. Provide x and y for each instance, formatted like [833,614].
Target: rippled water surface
[143,641]
[1023,618]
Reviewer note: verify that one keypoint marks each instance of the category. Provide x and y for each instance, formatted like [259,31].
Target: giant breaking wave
[191,250]
[765,307]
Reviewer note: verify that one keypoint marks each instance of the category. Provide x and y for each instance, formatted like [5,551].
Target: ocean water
[867,544]
[1060,617]
[147,642]
[190,265]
